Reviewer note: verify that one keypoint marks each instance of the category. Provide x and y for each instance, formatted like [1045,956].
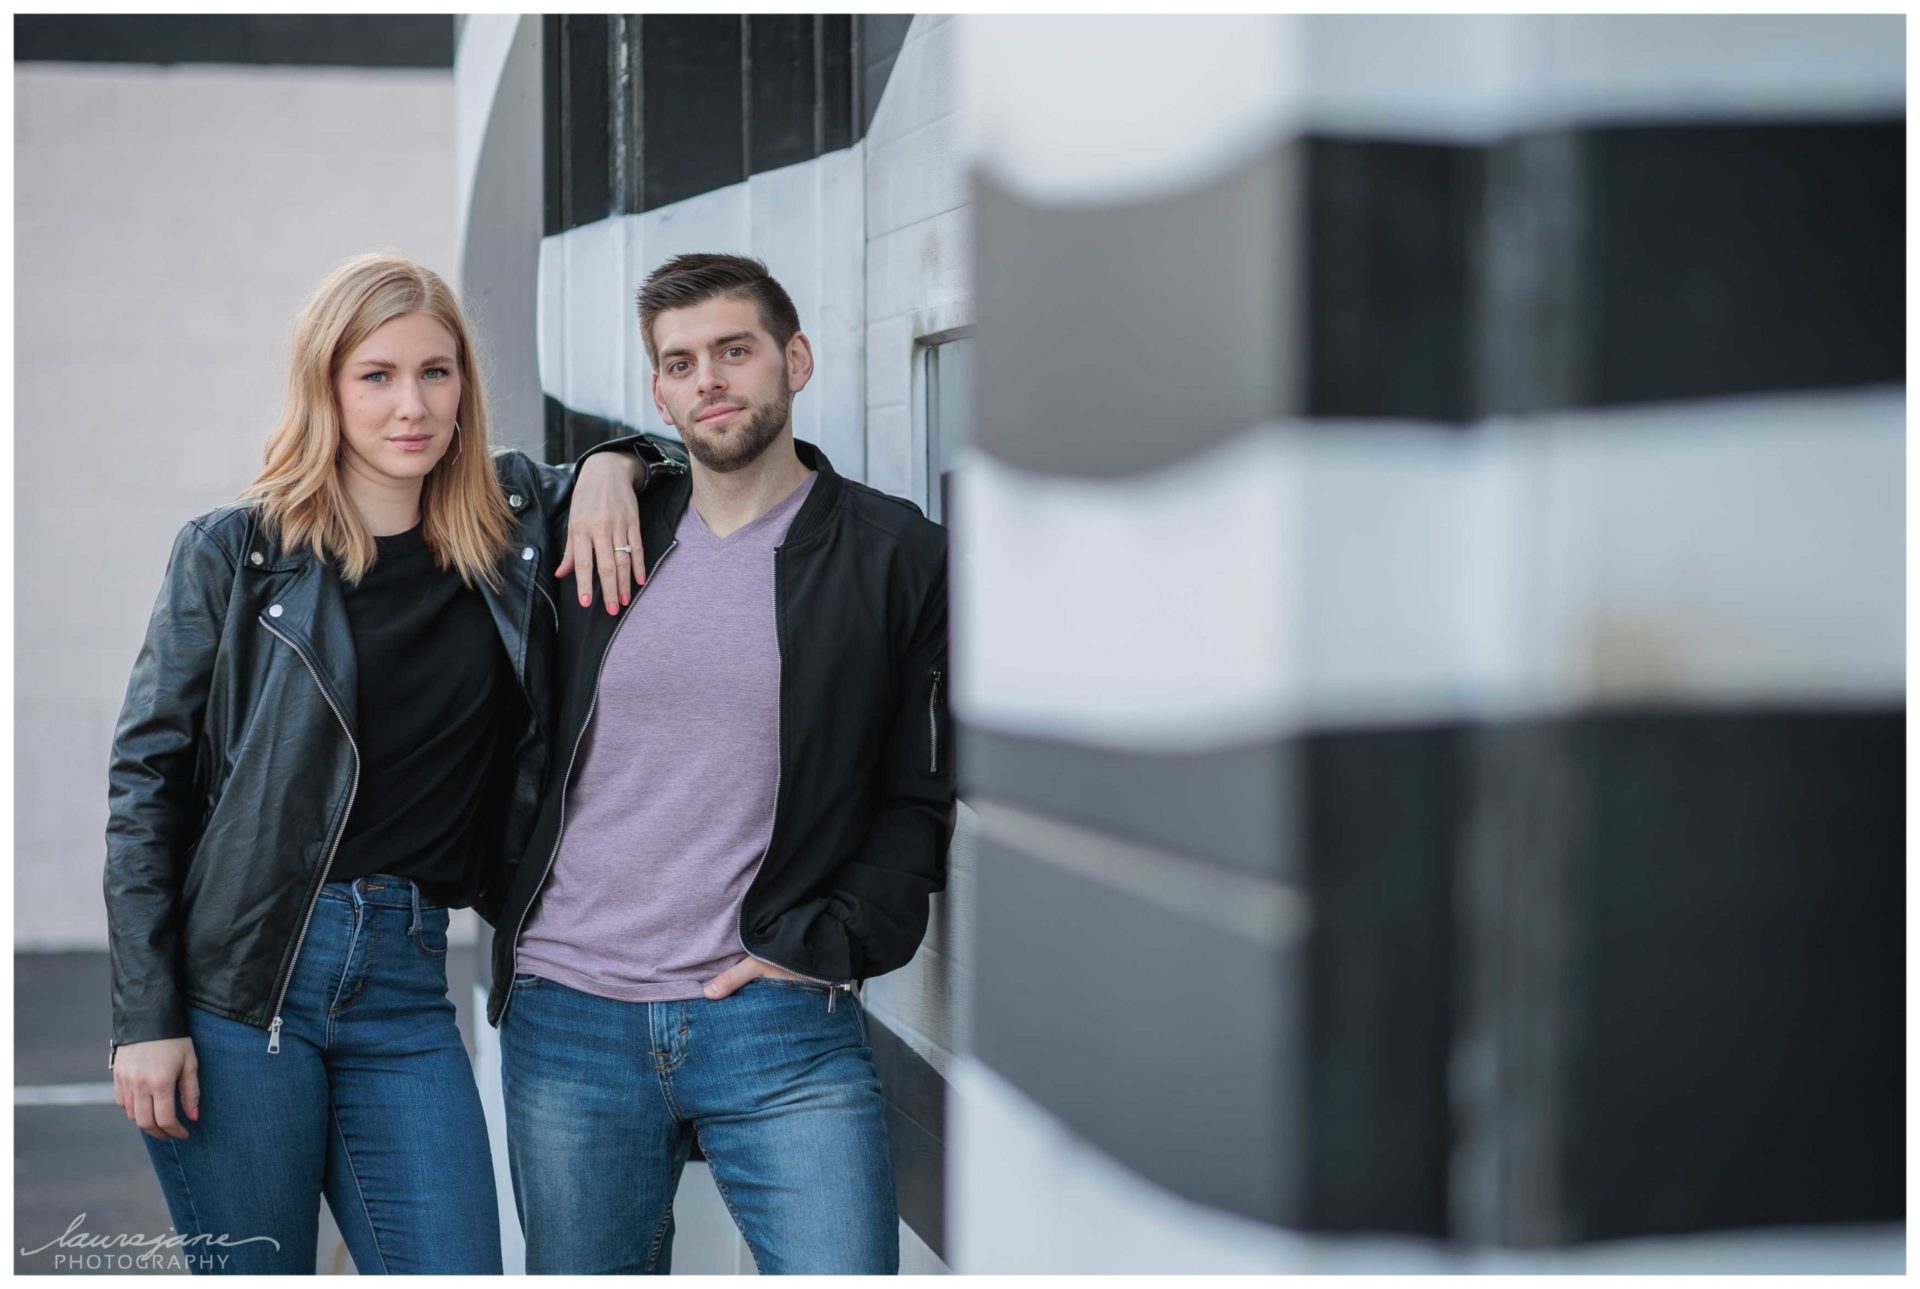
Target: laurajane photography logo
[82,1250]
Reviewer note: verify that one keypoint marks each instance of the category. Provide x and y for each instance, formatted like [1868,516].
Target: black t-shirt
[432,672]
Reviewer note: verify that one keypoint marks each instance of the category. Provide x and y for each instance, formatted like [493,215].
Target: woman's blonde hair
[302,499]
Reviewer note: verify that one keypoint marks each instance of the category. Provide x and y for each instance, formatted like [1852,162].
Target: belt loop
[414,930]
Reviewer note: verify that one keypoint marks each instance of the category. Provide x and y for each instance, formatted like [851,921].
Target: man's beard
[762,426]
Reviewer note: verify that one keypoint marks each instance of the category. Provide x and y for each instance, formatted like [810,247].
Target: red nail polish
[585,600]
[194,1114]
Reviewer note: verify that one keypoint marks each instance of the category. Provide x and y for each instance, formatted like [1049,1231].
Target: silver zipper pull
[273,1037]
[833,996]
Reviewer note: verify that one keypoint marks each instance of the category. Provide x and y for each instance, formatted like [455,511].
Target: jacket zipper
[933,726]
[834,988]
[273,1030]
[567,780]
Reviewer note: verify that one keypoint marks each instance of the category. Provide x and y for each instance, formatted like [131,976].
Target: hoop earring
[456,441]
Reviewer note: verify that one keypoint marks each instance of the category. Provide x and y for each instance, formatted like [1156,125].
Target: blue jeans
[370,1101]
[605,1098]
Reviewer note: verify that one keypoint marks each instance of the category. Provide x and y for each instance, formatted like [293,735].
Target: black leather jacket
[234,763]
[863,801]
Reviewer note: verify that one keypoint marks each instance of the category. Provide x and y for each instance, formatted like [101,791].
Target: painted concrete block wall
[918,283]
[168,224]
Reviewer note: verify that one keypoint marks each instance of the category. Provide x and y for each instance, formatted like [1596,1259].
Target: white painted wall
[168,224]
[919,282]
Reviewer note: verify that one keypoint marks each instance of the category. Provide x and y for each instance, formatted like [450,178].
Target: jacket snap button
[257,558]
[527,553]
[516,501]
[275,611]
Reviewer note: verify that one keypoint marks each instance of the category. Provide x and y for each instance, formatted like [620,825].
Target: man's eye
[736,349]
[675,368]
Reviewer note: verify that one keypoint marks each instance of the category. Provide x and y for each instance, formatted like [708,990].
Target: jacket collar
[303,600]
[304,603]
[676,494]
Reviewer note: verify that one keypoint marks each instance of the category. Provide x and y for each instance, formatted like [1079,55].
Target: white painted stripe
[1151,104]
[1086,108]
[47,1094]
[806,221]
[916,1259]
[1469,78]
[1154,607]
[1727,553]
[1251,908]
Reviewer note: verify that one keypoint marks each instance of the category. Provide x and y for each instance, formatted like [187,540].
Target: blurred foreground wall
[1429,644]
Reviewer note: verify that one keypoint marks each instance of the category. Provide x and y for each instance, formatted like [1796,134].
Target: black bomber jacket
[234,762]
[864,796]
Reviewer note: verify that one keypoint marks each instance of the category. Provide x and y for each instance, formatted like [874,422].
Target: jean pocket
[525,980]
[432,935]
[781,982]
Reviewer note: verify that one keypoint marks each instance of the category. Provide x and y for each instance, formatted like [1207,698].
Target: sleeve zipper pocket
[933,725]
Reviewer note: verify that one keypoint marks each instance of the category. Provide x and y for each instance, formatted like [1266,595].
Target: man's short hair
[687,280]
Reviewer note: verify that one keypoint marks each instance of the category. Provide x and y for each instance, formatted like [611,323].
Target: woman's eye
[438,373]
[375,377]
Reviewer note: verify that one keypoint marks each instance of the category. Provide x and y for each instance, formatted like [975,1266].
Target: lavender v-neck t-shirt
[672,800]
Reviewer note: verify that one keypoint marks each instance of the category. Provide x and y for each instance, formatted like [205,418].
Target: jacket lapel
[311,616]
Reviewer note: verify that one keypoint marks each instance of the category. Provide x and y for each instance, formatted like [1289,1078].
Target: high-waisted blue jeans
[370,1101]
[605,1098]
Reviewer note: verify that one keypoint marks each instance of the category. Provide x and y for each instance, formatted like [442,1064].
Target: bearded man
[754,809]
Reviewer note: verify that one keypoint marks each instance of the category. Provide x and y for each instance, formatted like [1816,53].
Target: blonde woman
[335,732]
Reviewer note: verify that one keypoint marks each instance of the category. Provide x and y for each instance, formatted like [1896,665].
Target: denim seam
[186,1188]
[661,1073]
[373,1232]
[659,1236]
[420,942]
[366,965]
[346,965]
[726,1196]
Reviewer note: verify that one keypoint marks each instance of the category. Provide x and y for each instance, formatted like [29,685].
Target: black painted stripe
[880,37]
[646,110]
[252,39]
[1690,930]
[1168,314]
[1626,264]
[1604,266]
[1670,941]
[693,121]
[834,43]
[917,1126]
[780,72]
[1231,805]
[1151,1034]
[569,433]
[579,107]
